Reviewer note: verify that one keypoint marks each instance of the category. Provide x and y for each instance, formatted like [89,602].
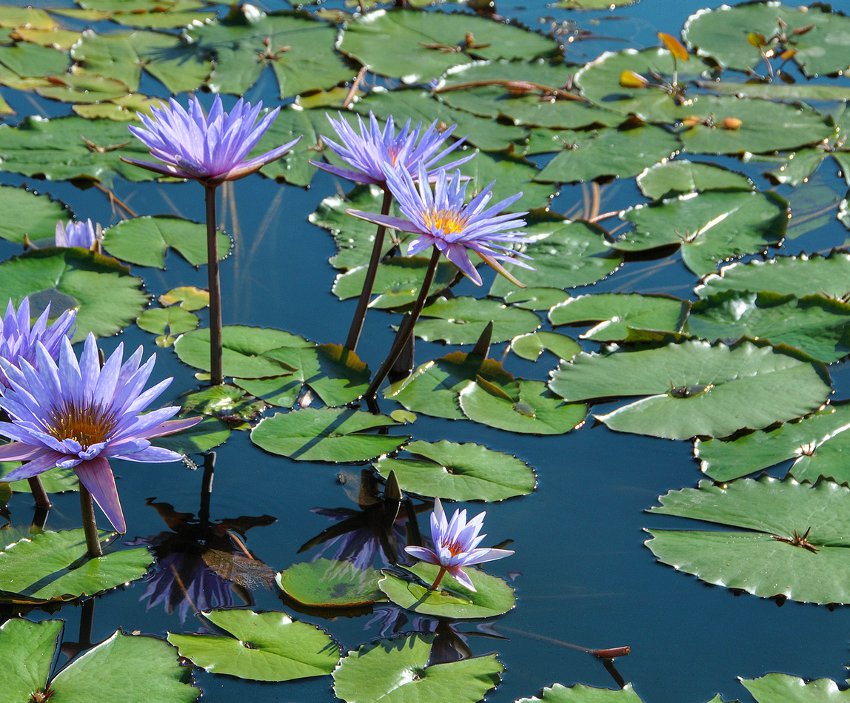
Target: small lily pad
[328,583]
[531,346]
[167,323]
[679,177]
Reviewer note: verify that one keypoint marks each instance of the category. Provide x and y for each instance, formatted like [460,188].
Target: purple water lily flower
[456,545]
[18,339]
[208,148]
[373,149]
[441,219]
[78,234]
[77,415]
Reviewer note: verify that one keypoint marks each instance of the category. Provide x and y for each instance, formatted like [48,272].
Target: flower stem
[368,284]
[214,288]
[405,330]
[89,524]
[437,580]
[42,500]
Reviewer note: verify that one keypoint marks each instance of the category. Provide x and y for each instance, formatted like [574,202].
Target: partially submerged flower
[440,218]
[78,234]
[456,545]
[18,339]
[77,415]
[373,149]
[208,148]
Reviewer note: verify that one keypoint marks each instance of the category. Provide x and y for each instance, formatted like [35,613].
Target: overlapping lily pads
[462,320]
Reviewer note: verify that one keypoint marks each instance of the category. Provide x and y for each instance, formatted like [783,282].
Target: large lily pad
[579,693]
[782,688]
[326,434]
[462,320]
[678,177]
[35,215]
[328,583]
[709,227]
[108,298]
[398,671]
[459,472]
[694,388]
[261,647]
[53,566]
[755,560]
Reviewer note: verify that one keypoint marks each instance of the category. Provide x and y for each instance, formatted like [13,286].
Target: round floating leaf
[145,240]
[246,350]
[35,215]
[531,346]
[83,88]
[535,298]
[54,566]
[520,406]
[584,694]
[189,297]
[433,388]
[616,315]
[207,434]
[167,323]
[226,402]
[397,282]
[818,444]
[710,227]
[790,275]
[678,177]
[27,650]
[397,671]
[462,320]
[765,560]
[621,153]
[694,388]
[434,42]
[328,583]
[280,391]
[263,647]
[451,600]
[816,325]
[31,61]
[300,51]
[564,255]
[459,472]
[326,434]
[782,688]
[108,298]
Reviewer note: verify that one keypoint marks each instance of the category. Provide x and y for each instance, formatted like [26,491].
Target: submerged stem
[214,288]
[405,330]
[89,523]
[365,294]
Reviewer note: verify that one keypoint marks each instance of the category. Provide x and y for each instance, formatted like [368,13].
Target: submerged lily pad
[695,388]
[326,434]
[53,566]
[260,646]
[459,472]
[813,570]
[462,320]
[401,666]
[328,583]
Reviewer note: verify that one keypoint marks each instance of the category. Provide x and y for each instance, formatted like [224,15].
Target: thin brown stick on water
[406,328]
[115,200]
[355,84]
[89,524]
[365,294]
[42,500]
[214,287]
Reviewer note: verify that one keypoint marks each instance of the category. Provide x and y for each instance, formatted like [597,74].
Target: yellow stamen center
[88,423]
[446,221]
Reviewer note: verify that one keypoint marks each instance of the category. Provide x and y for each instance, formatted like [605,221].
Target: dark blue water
[580,570]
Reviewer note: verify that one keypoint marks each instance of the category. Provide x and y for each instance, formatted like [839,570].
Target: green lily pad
[166,323]
[461,320]
[755,560]
[122,109]
[520,406]
[300,52]
[709,227]
[328,583]
[326,434]
[679,177]
[189,298]
[592,4]
[616,315]
[28,649]
[509,175]
[35,215]
[54,481]
[54,37]
[26,16]
[782,688]
[579,693]
[535,298]
[787,275]
[53,566]
[144,241]
[564,255]
[27,60]
[621,153]
[400,666]
[108,298]
[818,326]
[531,346]
[280,391]
[207,434]
[451,600]
[435,42]
[225,402]
[397,282]
[817,444]
[694,388]
[83,88]
[780,91]
[260,647]
[459,472]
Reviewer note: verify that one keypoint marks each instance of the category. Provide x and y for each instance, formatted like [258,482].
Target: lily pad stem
[214,288]
[365,294]
[89,524]
[405,330]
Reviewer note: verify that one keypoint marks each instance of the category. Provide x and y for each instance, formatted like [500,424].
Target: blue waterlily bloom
[18,339]
[78,234]
[441,218]
[373,150]
[211,148]
[77,415]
